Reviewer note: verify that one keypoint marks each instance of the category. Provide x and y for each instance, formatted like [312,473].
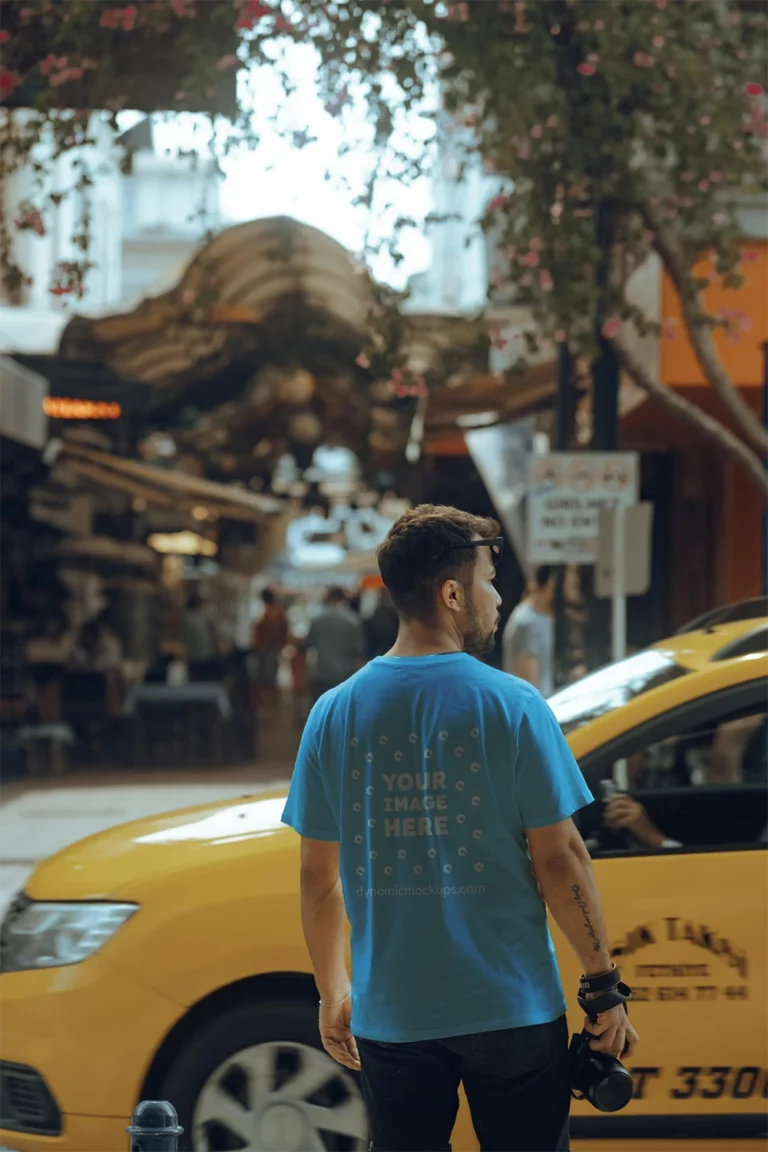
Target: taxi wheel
[256,1079]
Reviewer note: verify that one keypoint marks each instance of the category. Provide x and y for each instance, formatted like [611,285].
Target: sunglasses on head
[495,543]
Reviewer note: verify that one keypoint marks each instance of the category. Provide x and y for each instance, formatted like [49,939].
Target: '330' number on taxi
[712,1083]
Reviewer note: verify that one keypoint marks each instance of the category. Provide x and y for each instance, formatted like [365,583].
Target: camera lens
[614,1091]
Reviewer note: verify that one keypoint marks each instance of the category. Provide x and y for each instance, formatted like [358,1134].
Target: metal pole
[605,427]
[619,601]
[562,430]
[765,425]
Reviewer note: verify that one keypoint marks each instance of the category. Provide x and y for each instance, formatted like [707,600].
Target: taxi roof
[695,650]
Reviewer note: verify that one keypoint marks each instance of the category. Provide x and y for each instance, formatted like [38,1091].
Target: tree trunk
[700,332]
[726,440]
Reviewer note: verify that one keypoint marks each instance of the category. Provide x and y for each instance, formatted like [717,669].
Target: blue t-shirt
[428,770]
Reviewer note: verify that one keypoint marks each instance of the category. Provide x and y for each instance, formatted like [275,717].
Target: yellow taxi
[164,959]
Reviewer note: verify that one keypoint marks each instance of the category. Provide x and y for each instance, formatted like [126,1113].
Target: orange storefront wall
[742,559]
[743,358]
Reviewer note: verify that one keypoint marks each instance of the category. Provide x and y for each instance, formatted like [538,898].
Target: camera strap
[611,998]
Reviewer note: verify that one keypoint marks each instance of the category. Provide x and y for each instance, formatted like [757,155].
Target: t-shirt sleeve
[526,640]
[307,810]
[550,786]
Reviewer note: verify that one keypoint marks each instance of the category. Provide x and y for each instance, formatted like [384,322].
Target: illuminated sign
[182,544]
[62,408]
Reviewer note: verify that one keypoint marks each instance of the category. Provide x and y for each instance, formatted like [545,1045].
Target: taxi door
[688,930]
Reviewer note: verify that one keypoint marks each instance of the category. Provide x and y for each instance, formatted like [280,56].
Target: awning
[491,399]
[165,487]
[238,280]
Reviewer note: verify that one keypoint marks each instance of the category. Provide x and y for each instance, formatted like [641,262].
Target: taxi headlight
[38,934]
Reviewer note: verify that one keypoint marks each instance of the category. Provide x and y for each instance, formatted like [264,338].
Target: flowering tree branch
[712,429]
[699,328]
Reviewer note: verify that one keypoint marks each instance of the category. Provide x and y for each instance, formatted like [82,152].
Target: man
[337,638]
[424,790]
[528,643]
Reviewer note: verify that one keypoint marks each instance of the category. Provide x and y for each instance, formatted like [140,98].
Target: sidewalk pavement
[41,816]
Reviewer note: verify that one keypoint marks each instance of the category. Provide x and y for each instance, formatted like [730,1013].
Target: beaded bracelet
[335,1003]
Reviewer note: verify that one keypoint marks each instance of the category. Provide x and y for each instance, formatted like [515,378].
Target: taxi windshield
[612,687]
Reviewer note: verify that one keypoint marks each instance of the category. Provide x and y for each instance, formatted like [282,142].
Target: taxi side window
[703,785]
[731,752]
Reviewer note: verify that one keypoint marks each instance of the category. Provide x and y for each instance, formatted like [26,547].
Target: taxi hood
[127,857]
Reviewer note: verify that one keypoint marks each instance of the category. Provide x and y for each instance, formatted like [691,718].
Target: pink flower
[498,202]
[362,361]
[749,256]
[52,62]
[753,89]
[585,69]
[715,177]
[658,41]
[661,4]
[703,185]
[536,132]
[546,281]
[643,60]
[31,221]
[523,152]
[228,61]
[459,12]
[535,244]
[530,260]
[251,13]
[560,335]
[719,218]
[9,82]
[612,327]
[4,36]
[552,121]
[124,18]
[705,120]
[555,29]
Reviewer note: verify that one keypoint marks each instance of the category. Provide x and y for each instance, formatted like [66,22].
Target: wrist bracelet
[335,1003]
[602,983]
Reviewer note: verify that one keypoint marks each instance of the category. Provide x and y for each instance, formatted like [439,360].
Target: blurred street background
[272,274]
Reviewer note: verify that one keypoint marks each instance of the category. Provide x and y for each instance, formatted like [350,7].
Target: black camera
[601,1079]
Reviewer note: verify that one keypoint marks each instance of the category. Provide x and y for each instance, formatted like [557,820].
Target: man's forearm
[324,922]
[569,890]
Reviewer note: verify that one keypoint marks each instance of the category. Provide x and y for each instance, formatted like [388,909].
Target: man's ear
[452,595]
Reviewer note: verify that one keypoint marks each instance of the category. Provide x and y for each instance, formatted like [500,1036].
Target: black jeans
[516,1081]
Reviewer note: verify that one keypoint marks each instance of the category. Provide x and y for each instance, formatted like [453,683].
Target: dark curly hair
[406,558]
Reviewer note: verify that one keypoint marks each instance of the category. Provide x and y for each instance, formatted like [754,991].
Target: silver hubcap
[280,1097]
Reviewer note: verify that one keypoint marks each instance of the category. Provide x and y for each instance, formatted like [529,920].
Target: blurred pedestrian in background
[200,641]
[528,644]
[270,637]
[336,639]
[381,626]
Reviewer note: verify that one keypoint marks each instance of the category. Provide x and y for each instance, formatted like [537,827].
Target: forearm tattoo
[588,925]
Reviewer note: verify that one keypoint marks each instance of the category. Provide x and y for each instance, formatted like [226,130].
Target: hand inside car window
[731,753]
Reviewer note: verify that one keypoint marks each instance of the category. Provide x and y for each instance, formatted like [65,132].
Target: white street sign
[634,575]
[566,491]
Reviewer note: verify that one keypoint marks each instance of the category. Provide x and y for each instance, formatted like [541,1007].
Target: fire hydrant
[155,1127]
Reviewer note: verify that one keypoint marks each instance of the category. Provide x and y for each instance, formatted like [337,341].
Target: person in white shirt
[528,643]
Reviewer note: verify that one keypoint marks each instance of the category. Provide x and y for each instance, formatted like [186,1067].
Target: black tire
[254,1022]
